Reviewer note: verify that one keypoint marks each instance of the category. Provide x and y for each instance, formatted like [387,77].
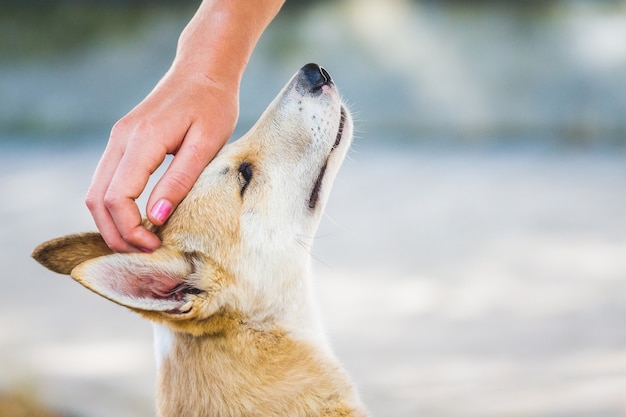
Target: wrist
[221,36]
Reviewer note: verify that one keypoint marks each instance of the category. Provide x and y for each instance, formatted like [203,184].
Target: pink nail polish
[146,250]
[161,210]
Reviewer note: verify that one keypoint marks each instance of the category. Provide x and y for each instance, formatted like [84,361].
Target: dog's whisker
[325,235]
[309,249]
[335,223]
[311,254]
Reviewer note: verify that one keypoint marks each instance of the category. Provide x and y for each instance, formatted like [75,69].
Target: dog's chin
[317,186]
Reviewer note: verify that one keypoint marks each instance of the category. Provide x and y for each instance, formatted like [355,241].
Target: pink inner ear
[147,285]
[153,282]
[151,286]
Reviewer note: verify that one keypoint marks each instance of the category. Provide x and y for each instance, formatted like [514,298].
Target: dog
[237,332]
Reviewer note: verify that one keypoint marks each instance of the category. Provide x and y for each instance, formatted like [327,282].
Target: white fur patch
[163,342]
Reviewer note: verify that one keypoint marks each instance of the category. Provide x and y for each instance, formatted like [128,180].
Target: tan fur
[308,380]
[231,282]
[63,254]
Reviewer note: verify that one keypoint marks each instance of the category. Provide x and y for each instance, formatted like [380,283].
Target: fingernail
[146,250]
[161,210]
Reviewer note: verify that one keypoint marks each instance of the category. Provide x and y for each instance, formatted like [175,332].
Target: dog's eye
[244,176]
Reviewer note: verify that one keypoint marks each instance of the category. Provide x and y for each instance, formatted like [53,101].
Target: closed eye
[244,176]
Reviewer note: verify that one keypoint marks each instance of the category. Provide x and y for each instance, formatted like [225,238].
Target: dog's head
[241,238]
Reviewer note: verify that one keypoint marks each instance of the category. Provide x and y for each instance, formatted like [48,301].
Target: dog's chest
[247,372]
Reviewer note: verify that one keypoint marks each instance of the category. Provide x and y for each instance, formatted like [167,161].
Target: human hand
[188,115]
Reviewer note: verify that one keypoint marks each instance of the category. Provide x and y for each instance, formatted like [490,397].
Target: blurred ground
[16,405]
[473,257]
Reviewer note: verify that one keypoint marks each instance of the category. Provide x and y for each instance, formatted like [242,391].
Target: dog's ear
[159,281]
[63,254]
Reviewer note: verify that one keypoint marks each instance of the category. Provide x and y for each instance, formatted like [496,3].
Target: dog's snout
[313,77]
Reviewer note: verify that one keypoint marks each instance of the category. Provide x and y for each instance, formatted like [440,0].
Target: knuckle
[112,201]
[179,182]
[117,246]
[127,235]
[130,123]
[115,242]
[91,201]
[130,237]
[121,128]
[129,127]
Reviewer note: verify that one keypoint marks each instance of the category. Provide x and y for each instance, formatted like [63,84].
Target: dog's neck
[200,375]
[297,314]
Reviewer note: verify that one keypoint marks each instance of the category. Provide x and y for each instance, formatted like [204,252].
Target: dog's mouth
[342,122]
[315,193]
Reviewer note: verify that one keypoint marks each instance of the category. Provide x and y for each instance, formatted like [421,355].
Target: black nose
[314,78]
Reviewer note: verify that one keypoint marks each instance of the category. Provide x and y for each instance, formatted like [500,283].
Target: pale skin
[190,114]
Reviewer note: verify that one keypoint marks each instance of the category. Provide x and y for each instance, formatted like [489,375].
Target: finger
[127,184]
[193,156]
[95,198]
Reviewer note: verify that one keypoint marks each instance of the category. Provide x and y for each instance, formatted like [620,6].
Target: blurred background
[473,256]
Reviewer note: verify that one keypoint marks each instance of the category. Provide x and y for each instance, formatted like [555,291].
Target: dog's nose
[313,78]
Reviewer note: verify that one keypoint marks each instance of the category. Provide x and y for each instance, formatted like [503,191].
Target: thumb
[180,176]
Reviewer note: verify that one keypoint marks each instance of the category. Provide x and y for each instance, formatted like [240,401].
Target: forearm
[221,36]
